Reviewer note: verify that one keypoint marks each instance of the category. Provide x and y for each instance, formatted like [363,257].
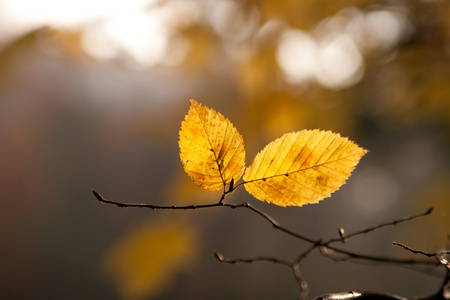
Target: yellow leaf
[302,167]
[211,149]
[145,262]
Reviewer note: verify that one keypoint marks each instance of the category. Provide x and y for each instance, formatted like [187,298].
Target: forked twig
[318,243]
[295,266]
[326,249]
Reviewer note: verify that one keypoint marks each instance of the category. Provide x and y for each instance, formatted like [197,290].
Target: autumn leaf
[302,167]
[211,148]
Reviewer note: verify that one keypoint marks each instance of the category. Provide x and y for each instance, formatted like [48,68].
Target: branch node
[443,258]
[218,255]
[342,235]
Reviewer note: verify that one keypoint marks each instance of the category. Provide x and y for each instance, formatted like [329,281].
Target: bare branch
[344,238]
[353,255]
[220,203]
[325,248]
[274,260]
[318,243]
[440,255]
[152,206]
[303,284]
[414,251]
[360,296]
[272,221]
[304,254]
[445,289]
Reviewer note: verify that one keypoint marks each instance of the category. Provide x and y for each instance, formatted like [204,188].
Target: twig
[304,254]
[360,296]
[274,260]
[220,203]
[326,249]
[445,289]
[414,251]
[438,255]
[354,255]
[349,254]
[343,237]
[272,221]
[152,206]
[303,284]
[318,243]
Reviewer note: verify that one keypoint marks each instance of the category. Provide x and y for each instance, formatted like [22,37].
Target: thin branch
[307,252]
[152,206]
[326,249]
[349,254]
[343,237]
[303,284]
[414,251]
[353,255]
[274,260]
[360,296]
[220,203]
[272,221]
[445,289]
[440,256]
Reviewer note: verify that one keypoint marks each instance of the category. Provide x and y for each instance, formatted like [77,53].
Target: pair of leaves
[298,168]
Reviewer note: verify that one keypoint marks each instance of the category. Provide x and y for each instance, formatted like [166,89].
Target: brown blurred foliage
[144,263]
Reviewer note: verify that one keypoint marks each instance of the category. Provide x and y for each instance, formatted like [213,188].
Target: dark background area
[92,95]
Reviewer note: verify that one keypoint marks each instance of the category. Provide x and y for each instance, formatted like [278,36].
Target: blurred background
[92,95]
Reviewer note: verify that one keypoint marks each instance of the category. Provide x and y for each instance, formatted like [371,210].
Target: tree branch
[343,237]
[303,285]
[325,248]
[360,296]
[440,255]
[152,206]
[353,255]
[272,221]
[318,243]
[414,251]
[274,260]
